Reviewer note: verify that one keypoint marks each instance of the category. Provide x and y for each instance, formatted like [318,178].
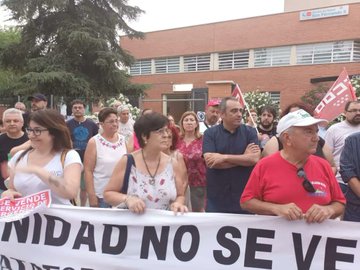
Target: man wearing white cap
[294,183]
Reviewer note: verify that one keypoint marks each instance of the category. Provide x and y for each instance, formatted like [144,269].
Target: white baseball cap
[299,118]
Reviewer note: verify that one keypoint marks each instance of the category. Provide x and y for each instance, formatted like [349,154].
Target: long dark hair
[55,123]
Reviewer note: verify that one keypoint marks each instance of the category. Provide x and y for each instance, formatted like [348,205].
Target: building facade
[286,54]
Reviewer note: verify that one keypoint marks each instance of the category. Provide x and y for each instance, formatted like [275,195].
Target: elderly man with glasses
[293,183]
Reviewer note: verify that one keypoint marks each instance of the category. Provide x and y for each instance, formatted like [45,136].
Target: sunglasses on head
[306,183]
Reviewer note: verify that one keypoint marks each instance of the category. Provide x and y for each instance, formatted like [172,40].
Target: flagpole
[248,110]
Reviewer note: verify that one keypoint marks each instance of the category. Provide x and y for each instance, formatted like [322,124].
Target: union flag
[237,93]
[333,103]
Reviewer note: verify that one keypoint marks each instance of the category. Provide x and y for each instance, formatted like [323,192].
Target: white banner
[68,238]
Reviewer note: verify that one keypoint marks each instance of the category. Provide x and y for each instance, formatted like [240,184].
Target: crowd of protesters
[223,164]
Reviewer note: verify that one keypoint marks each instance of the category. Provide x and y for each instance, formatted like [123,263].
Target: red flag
[332,105]
[237,93]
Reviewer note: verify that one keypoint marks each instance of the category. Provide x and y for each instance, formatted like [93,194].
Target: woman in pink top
[190,145]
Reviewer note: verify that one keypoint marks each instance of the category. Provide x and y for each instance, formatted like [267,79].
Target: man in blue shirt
[350,173]
[82,130]
[230,149]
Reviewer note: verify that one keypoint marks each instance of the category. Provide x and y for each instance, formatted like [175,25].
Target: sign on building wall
[324,13]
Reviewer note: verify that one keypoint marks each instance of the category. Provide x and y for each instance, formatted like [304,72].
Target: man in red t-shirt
[293,183]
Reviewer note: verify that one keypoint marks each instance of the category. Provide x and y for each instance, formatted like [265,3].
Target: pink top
[194,161]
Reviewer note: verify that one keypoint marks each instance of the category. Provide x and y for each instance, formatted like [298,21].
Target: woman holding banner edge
[49,162]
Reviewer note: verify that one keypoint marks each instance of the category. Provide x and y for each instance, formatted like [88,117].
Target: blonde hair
[182,131]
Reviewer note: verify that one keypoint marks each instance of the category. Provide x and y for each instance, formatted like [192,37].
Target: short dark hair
[105,112]
[300,105]
[223,103]
[147,123]
[347,105]
[270,109]
[77,101]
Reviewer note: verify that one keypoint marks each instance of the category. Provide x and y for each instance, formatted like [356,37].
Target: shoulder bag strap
[130,162]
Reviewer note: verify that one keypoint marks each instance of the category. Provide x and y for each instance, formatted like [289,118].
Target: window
[234,60]
[277,56]
[329,52]
[167,65]
[356,51]
[141,67]
[197,63]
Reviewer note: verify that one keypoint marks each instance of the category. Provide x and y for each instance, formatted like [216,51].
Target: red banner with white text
[333,104]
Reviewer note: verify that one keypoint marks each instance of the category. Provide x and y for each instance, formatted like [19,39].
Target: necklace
[152,177]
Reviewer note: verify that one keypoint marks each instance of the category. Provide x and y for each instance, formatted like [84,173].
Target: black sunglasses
[306,183]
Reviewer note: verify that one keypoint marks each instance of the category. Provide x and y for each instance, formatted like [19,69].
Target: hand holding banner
[23,207]
[332,105]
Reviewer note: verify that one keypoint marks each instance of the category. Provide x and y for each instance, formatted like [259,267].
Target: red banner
[237,93]
[332,105]
[23,207]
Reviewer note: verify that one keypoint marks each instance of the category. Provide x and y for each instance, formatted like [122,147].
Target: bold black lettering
[159,245]
[21,228]
[252,246]
[88,240]
[21,264]
[50,267]
[5,263]
[69,268]
[50,238]
[37,229]
[119,247]
[229,244]
[35,267]
[195,236]
[301,262]
[331,254]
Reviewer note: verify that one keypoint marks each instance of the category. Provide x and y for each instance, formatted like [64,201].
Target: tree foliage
[71,47]
[8,36]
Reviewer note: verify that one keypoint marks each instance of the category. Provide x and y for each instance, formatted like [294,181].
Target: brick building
[286,54]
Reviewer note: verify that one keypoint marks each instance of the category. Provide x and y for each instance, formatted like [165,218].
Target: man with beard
[211,115]
[335,136]
[38,102]
[266,128]
[230,151]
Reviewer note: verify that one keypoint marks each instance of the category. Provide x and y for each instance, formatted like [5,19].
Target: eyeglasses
[111,122]
[35,131]
[354,111]
[306,183]
[161,131]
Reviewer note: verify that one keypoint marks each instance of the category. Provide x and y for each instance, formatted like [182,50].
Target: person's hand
[289,211]
[252,148]
[93,201]
[213,159]
[135,204]
[11,194]
[178,207]
[318,213]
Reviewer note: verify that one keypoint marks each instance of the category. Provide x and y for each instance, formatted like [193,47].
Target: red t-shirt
[275,180]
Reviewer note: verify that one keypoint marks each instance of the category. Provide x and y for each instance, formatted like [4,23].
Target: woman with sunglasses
[154,179]
[294,183]
[48,163]
[102,153]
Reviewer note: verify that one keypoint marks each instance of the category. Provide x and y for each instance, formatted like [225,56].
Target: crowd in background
[232,162]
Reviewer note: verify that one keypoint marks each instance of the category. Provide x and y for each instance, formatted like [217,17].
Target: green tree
[71,48]
[8,36]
